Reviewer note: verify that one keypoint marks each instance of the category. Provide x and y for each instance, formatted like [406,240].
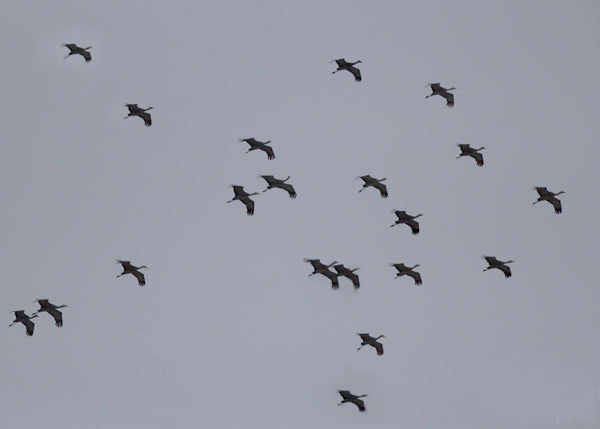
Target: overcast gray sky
[230,331]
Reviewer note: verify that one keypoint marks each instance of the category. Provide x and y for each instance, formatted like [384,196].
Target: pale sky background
[230,332]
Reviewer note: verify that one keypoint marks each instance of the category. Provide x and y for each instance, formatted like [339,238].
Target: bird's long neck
[558,193]
[381,336]
[419,215]
[412,268]
[450,89]
[89,47]
[286,179]
[61,306]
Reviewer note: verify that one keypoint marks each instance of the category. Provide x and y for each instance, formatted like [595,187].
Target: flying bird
[133,270]
[255,144]
[21,317]
[501,265]
[467,150]
[345,272]
[244,197]
[74,50]
[376,183]
[437,89]
[546,195]
[403,270]
[368,340]
[135,110]
[407,219]
[349,397]
[52,310]
[320,268]
[272,182]
[343,65]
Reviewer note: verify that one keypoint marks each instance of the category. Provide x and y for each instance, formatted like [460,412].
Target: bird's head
[268,141]
[62,306]
[143,266]
[559,193]
[89,47]
[417,265]
[450,89]
[33,316]
[381,180]
[509,262]
[362,396]
[419,215]
[381,336]
[150,108]
[358,62]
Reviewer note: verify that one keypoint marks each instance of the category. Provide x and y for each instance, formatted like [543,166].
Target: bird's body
[376,183]
[21,317]
[437,89]
[244,197]
[368,340]
[76,50]
[320,268]
[52,310]
[133,270]
[546,195]
[467,150]
[404,270]
[272,182]
[135,110]
[500,265]
[349,397]
[342,64]
[342,271]
[407,219]
[258,145]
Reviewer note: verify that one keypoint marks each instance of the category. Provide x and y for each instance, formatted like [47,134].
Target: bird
[376,183]
[244,197]
[546,195]
[255,144]
[407,219]
[349,397]
[501,265]
[320,268]
[77,50]
[437,89]
[343,65]
[368,340]
[408,271]
[52,310]
[345,272]
[21,317]
[467,150]
[131,269]
[272,182]
[135,110]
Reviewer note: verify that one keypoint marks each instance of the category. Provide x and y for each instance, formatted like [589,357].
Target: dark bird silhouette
[349,274]
[368,340]
[244,197]
[320,268]
[133,270]
[272,182]
[403,270]
[376,183]
[501,265]
[76,50]
[407,219]
[135,110]
[349,397]
[52,310]
[467,150]
[546,195]
[437,89]
[21,317]
[258,145]
[343,65]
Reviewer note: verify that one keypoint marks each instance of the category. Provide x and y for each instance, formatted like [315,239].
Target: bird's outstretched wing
[382,189]
[416,276]
[356,73]
[379,348]
[147,118]
[478,158]
[449,98]
[290,190]
[268,150]
[249,206]
[556,204]
[140,277]
[414,226]
[57,315]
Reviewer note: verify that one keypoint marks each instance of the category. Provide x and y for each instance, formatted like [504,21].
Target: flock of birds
[339,270]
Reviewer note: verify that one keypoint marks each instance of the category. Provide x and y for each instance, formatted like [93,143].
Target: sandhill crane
[467,150]
[135,110]
[21,317]
[407,219]
[272,182]
[244,197]
[343,65]
[77,50]
[349,397]
[348,273]
[255,144]
[320,268]
[437,89]
[368,340]
[131,269]
[52,310]
[404,270]
[376,183]
[546,195]
[501,265]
